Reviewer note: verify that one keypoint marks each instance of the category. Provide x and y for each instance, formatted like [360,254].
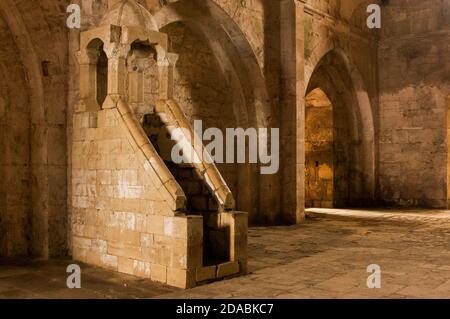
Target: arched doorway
[319,150]
[247,103]
[339,141]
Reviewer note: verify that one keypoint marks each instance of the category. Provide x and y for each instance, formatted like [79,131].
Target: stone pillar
[448,152]
[117,73]
[292,112]
[88,59]
[166,67]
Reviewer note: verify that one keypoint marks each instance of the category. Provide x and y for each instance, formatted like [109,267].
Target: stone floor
[325,257]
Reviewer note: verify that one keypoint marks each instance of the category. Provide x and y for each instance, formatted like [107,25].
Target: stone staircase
[201,200]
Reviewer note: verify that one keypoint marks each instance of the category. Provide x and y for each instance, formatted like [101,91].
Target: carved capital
[117,50]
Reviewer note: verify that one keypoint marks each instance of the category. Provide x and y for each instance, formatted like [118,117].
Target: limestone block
[126,204]
[93,258]
[100,246]
[123,236]
[157,165]
[225,197]
[238,225]
[175,227]
[85,120]
[170,251]
[125,250]
[79,254]
[135,130]
[227,269]
[141,269]
[181,278]
[206,273]
[84,147]
[161,208]
[126,177]
[103,203]
[146,240]
[194,256]
[82,202]
[77,121]
[109,261]
[155,224]
[110,146]
[107,118]
[110,133]
[127,161]
[179,252]
[105,190]
[122,220]
[158,273]
[127,147]
[83,176]
[130,192]
[106,162]
[125,265]
[141,221]
[79,135]
[84,231]
[82,243]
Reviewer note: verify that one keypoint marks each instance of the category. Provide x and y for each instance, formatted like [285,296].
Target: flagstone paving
[325,257]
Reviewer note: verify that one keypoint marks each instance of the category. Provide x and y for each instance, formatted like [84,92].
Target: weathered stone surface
[227,269]
[206,273]
[85,142]
[402,242]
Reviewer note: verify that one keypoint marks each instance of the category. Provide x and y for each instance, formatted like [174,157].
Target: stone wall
[340,57]
[341,25]
[34,156]
[235,68]
[414,59]
[119,219]
[15,183]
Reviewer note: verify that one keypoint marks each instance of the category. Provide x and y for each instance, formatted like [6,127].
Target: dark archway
[319,150]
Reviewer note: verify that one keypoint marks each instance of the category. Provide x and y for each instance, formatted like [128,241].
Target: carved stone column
[166,67]
[117,73]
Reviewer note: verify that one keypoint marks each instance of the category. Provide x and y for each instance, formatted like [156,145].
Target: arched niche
[93,63]
[100,60]
[143,78]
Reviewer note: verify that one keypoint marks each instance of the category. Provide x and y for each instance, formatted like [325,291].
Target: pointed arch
[239,64]
[336,75]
